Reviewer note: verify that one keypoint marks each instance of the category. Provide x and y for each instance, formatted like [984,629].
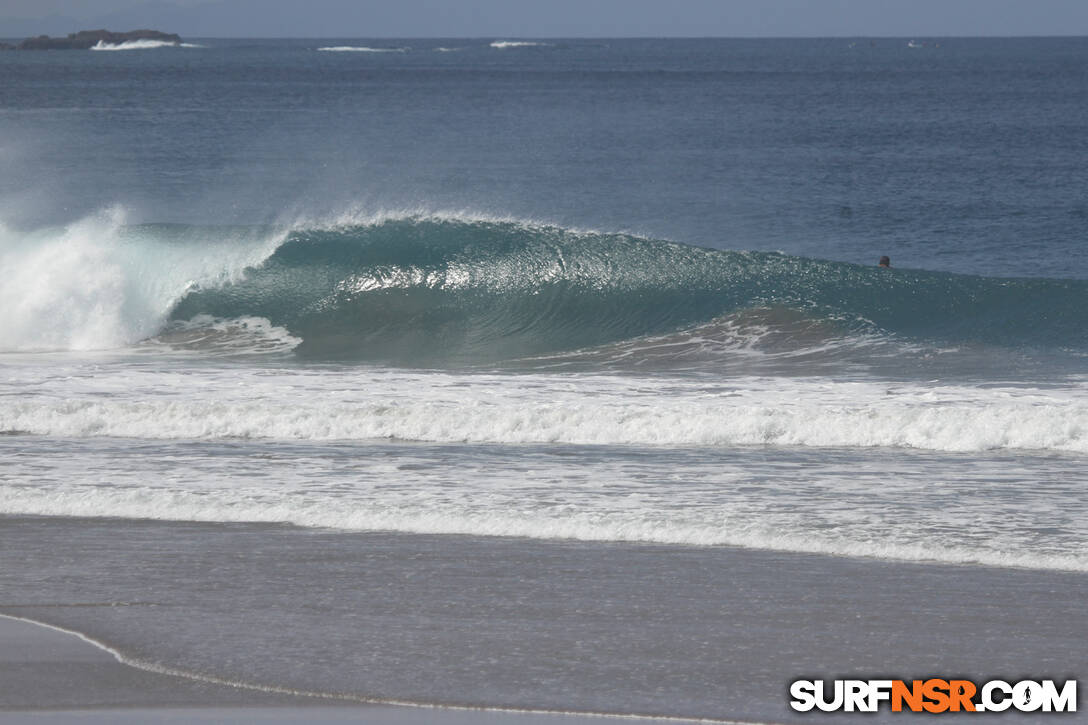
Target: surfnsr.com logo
[933,695]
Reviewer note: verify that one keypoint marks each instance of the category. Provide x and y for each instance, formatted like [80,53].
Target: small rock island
[87,39]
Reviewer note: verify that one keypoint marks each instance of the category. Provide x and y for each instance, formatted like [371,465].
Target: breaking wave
[953,420]
[101,284]
[360,49]
[142,45]
[427,516]
[504,44]
[435,290]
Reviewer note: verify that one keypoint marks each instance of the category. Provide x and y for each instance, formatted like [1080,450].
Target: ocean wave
[426,516]
[839,417]
[361,49]
[504,44]
[440,289]
[142,45]
[101,284]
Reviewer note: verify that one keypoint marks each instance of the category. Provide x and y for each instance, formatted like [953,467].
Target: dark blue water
[968,157]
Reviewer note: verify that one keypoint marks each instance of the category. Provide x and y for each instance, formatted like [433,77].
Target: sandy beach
[504,623]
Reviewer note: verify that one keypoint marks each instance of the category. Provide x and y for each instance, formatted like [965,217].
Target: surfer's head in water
[885,261]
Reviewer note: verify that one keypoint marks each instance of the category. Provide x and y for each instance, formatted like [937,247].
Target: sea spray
[99,284]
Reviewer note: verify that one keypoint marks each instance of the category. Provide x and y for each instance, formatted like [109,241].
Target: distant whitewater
[142,45]
[361,49]
[504,44]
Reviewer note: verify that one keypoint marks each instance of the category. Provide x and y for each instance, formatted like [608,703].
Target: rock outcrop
[87,39]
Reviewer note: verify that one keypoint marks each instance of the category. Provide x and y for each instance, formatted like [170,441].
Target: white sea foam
[951,428]
[429,510]
[504,44]
[595,410]
[214,336]
[773,463]
[361,49]
[97,284]
[141,45]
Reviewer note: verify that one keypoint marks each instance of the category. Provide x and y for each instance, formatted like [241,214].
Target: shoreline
[520,629]
[27,642]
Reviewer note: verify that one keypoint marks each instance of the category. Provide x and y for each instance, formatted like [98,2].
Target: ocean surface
[558,340]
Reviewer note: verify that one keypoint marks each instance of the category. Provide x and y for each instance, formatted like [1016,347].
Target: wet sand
[515,623]
[84,683]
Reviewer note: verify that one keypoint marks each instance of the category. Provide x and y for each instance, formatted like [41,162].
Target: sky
[551,18]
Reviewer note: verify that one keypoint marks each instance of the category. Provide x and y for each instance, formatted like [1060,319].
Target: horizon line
[498,36]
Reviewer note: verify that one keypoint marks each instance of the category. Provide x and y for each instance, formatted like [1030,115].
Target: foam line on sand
[76,662]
